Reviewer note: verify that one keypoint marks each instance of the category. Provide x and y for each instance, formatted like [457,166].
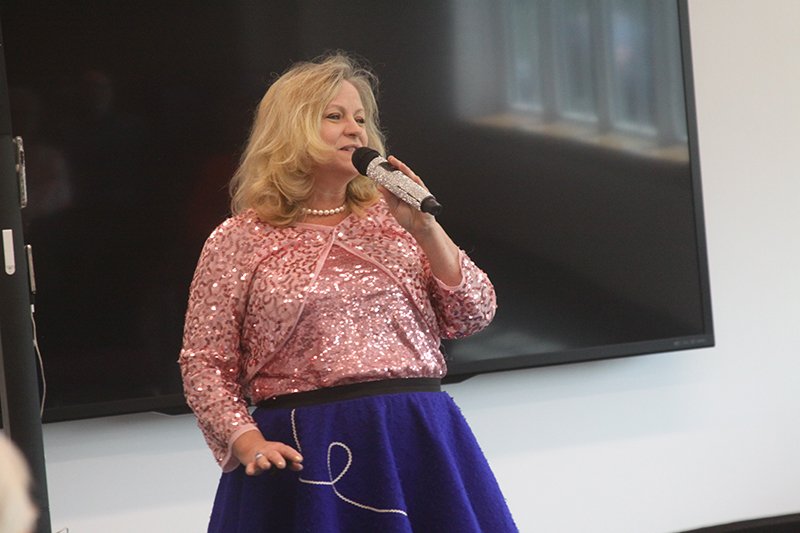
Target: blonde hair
[285,144]
[17,512]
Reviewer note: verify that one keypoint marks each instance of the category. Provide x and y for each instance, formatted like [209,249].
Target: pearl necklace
[324,212]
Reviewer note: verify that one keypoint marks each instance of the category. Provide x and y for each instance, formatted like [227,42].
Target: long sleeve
[211,359]
[467,308]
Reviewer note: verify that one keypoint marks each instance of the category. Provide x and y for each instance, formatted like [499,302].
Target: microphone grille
[362,158]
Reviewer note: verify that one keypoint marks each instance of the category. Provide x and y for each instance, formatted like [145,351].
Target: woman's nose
[352,127]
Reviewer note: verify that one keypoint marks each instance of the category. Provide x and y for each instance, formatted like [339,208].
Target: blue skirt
[392,463]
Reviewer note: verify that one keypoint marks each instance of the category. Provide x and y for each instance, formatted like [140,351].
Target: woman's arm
[210,358]
[462,295]
[440,249]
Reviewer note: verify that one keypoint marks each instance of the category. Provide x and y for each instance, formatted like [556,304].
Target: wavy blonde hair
[285,145]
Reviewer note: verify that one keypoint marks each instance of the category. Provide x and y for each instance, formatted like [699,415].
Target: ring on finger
[257,456]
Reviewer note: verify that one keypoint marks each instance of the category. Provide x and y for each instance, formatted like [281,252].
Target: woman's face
[344,128]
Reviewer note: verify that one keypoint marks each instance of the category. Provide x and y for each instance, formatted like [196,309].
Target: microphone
[370,164]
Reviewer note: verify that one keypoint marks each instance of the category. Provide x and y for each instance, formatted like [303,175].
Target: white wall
[652,444]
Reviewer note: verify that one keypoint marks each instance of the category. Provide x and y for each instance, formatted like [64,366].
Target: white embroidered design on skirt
[331,480]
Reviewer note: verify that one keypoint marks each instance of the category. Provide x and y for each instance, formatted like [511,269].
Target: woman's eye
[361,120]
[334,116]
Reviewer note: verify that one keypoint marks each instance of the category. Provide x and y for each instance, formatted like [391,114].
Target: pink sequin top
[274,311]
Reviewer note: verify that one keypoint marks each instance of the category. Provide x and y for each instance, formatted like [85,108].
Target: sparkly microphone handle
[370,163]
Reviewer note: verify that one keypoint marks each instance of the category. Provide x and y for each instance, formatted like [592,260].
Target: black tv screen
[560,138]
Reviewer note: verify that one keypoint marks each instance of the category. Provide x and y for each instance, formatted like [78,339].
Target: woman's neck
[326,207]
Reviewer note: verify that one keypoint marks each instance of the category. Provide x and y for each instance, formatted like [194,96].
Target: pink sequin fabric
[338,340]
[279,310]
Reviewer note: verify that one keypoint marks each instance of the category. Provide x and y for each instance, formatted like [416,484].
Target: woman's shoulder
[245,224]
[240,236]
[247,233]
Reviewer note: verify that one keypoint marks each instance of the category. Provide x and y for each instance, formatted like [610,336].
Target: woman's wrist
[245,444]
[426,231]
[443,255]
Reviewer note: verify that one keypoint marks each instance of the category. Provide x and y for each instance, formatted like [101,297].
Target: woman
[323,301]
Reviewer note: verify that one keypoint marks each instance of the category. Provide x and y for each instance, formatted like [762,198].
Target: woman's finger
[289,453]
[390,198]
[262,462]
[276,455]
[405,169]
[253,468]
[276,459]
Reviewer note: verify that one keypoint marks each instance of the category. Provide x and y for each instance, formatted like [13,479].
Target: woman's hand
[413,220]
[442,253]
[258,454]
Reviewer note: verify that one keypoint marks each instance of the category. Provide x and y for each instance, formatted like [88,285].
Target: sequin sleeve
[452,312]
[467,308]
[210,360]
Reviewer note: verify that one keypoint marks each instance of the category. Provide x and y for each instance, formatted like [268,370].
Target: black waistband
[351,392]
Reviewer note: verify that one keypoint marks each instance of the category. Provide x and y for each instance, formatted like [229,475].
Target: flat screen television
[560,137]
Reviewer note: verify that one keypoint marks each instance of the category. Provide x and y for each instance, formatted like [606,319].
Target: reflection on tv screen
[555,135]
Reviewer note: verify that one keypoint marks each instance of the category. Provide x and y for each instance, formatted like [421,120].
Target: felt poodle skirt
[389,463]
